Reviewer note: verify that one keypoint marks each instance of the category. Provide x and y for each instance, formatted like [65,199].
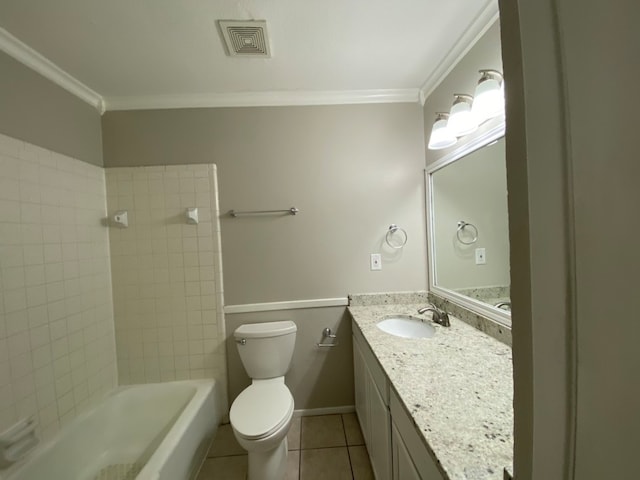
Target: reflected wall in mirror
[469,227]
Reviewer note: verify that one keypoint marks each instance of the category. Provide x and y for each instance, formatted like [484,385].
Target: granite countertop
[457,387]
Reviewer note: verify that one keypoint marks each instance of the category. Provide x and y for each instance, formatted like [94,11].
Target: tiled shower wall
[167,287]
[57,351]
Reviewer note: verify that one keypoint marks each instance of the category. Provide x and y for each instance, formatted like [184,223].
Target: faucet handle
[441,317]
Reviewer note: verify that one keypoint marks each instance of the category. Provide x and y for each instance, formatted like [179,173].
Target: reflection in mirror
[470,228]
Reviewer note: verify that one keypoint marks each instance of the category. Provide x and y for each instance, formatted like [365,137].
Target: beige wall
[473,189]
[37,111]
[319,377]
[572,168]
[167,288]
[602,72]
[57,352]
[463,78]
[352,171]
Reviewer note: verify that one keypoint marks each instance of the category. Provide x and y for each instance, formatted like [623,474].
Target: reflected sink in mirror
[406,326]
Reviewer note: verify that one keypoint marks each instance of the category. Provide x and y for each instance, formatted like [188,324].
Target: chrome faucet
[438,316]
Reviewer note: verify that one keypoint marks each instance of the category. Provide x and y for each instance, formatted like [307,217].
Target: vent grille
[245,38]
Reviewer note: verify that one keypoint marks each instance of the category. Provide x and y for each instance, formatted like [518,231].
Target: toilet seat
[261,410]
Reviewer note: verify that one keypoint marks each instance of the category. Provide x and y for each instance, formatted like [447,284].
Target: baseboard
[307,412]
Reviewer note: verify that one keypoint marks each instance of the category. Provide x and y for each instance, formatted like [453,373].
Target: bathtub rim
[202,388]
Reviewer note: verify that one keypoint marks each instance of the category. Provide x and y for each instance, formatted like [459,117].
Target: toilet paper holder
[328,334]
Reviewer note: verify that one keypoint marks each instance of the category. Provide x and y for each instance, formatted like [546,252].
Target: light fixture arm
[462,97]
[488,74]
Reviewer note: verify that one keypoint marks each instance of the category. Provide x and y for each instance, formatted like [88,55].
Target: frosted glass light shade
[441,137]
[462,121]
[488,100]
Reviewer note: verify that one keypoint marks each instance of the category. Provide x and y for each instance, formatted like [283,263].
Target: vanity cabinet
[395,448]
[403,467]
[372,407]
[410,452]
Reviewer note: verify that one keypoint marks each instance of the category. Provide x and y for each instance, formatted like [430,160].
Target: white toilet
[261,415]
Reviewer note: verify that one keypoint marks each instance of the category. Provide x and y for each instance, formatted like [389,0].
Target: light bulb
[462,121]
[441,137]
[489,96]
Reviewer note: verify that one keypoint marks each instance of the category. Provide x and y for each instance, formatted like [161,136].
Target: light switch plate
[481,256]
[376,261]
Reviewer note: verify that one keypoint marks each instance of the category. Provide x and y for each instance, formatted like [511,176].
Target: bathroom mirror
[469,228]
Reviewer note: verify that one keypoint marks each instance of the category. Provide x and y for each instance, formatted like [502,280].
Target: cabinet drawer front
[379,377]
[420,455]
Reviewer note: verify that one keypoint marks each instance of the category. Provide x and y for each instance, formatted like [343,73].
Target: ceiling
[155,52]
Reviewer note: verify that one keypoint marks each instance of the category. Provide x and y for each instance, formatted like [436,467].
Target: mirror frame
[491,135]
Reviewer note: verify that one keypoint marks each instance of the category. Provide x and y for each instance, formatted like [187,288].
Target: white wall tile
[164,273]
[50,209]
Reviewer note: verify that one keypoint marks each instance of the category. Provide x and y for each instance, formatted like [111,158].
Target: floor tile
[293,466]
[224,468]
[325,464]
[352,429]
[323,431]
[360,464]
[293,437]
[225,443]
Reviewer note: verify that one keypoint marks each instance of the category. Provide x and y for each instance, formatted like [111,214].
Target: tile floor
[320,447]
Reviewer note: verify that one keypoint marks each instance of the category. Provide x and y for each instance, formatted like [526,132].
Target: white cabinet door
[414,449]
[360,385]
[403,467]
[380,437]
[373,414]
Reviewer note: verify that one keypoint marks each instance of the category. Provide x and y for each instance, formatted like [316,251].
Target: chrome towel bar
[290,211]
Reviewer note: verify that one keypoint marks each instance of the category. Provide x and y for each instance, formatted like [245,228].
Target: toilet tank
[266,348]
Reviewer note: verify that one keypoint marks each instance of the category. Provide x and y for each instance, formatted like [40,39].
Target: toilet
[261,415]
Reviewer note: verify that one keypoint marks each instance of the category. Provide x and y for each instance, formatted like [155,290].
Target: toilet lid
[261,409]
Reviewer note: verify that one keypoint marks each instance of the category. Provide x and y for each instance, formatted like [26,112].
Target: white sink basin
[406,326]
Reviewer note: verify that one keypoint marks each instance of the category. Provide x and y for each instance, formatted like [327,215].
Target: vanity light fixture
[461,119]
[441,137]
[468,112]
[489,96]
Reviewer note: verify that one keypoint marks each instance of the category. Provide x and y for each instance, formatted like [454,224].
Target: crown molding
[35,61]
[263,99]
[471,35]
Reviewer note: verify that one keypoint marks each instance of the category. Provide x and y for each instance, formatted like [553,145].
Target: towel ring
[393,229]
[461,226]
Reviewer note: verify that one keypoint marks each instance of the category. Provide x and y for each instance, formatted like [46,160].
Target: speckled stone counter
[457,387]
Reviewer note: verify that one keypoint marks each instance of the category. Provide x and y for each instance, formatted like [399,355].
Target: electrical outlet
[376,261]
[481,256]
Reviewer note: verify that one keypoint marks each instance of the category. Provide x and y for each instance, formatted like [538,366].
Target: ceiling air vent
[245,38]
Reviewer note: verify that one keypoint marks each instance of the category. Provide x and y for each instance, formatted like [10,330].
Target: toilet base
[269,465]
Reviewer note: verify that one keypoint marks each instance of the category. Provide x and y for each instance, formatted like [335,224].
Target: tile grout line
[346,441]
[300,451]
[322,448]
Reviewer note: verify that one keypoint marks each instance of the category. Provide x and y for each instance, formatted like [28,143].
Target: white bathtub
[157,431]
